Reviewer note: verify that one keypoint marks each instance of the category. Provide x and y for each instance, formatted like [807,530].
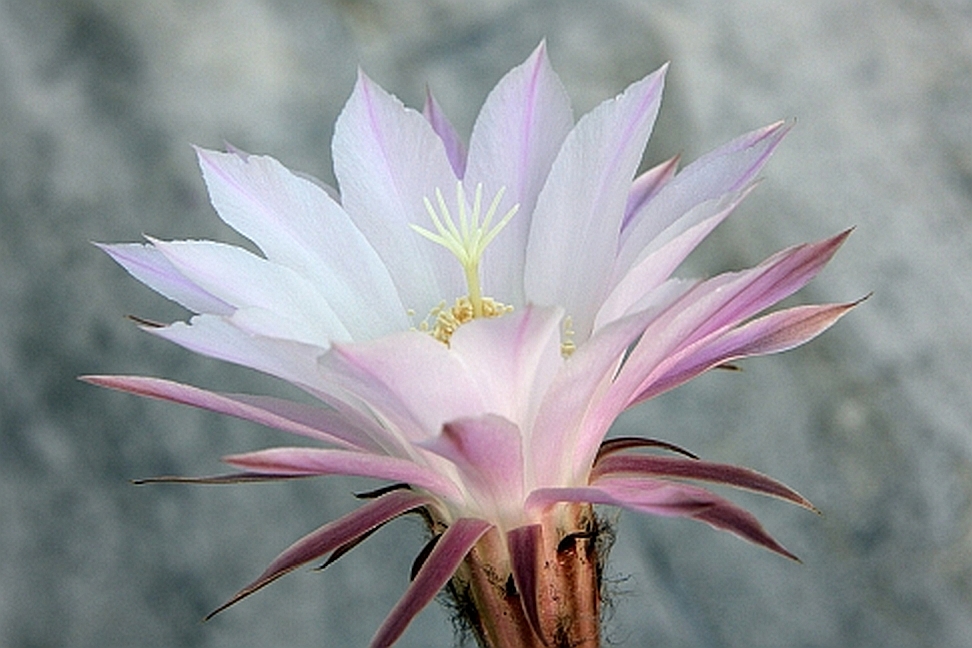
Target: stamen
[567,346]
[469,239]
[445,321]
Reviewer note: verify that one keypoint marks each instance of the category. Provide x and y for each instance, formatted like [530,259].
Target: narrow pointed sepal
[665,498]
[332,536]
[438,568]
[696,469]
[618,444]
[525,548]
[726,516]
[231,478]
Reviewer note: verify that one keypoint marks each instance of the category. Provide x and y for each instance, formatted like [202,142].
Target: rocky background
[99,102]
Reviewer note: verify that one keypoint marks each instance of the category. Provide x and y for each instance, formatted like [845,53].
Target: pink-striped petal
[294,308]
[331,536]
[454,146]
[387,158]
[305,420]
[772,333]
[717,305]
[627,464]
[575,227]
[646,186]
[735,297]
[152,268]
[515,139]
[216,337]
[664,255]
[317,461]
[727,169]
[441,564]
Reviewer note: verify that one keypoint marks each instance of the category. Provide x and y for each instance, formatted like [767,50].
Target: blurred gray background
[99,103]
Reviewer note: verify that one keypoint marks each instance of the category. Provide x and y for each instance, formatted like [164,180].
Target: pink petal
[654,466]
[331,536]
[735,297]
[487,451]
[448,554]
[298,225]
[636,493]
[524,545]
[454,147]
[305,420]
[646,186]
[515,139]
[575,227]
[665,253]
[772,333]
[512,359]
[727,169]
[148,265]
[387,158]
[619,444]
[317,461]
[291,361]
[566,419]
[410,379]
[729,517]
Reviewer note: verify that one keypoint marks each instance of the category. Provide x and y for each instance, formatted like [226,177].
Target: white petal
[575,228]
[514,142]
[215,337]
[148,265]
[246,281]
[297,224]
[387,159]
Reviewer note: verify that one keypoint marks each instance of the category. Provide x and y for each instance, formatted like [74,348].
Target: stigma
[467,239]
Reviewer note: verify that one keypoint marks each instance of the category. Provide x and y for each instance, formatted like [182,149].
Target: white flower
[474,322]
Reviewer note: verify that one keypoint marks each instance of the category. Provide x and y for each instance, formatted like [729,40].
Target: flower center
[467,240]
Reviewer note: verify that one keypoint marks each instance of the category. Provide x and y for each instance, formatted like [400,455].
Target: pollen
[467,239]
[445,320]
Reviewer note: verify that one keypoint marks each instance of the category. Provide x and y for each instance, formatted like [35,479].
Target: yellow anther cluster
[447,320]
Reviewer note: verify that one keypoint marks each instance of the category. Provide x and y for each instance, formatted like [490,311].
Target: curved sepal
[438,568]
[331,536]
